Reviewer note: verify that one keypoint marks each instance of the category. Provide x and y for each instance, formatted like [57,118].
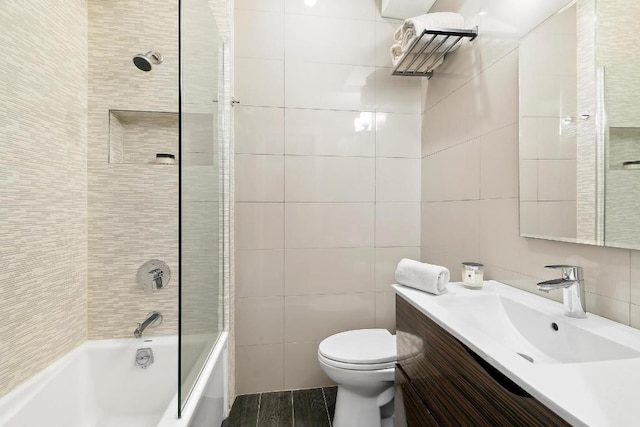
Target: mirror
[580,127]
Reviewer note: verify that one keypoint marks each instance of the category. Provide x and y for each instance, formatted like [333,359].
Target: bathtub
[98,385]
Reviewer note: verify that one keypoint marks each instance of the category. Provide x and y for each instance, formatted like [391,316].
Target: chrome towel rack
[423,56]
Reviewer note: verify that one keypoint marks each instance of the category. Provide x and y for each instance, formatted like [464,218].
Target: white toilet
[362,363]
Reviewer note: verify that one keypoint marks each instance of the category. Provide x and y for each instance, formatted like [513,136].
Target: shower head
[146,61]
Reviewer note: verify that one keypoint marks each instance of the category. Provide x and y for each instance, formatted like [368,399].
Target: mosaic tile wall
[133,208]
[43,176]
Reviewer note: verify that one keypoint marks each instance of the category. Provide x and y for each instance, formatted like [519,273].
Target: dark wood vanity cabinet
[441,382]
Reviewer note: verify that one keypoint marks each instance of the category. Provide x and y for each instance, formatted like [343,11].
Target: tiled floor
[299,408]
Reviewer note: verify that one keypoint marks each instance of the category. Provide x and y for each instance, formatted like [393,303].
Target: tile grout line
[293,411]
[259,404]
[326,406]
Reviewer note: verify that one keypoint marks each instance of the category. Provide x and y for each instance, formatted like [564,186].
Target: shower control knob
[154,275]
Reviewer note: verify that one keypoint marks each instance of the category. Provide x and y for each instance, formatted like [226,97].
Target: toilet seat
[362,350]
[356,366]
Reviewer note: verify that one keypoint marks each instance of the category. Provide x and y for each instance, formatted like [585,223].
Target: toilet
[362,363]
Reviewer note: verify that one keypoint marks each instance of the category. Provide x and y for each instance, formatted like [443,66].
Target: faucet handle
[569,272]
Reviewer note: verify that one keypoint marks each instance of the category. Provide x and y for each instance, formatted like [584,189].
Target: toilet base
[356,410]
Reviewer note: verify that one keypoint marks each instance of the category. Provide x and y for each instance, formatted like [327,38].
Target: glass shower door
[201,195]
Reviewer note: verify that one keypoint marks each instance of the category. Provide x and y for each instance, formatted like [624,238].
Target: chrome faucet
[153,319]
[572,285]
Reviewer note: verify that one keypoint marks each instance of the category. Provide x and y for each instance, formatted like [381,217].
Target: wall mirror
[580,126]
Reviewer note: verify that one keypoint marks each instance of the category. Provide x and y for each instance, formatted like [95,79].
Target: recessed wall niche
[624,148]
[135,137]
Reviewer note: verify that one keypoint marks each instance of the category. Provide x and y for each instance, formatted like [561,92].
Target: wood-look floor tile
[276,410]
[244,412]
[309,409]
[330,394]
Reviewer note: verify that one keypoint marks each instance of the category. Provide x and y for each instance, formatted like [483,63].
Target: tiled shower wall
[327,182]
[133,208]
[470,169]
[43,176]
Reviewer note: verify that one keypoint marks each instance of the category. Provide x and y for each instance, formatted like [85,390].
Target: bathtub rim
[218,353]
[12,402]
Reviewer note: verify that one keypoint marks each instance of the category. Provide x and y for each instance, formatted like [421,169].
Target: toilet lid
[362,346]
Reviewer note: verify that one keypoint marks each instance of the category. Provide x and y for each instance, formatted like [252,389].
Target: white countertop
[601,393]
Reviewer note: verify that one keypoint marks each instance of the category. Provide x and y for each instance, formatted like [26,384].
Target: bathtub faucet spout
[153,319]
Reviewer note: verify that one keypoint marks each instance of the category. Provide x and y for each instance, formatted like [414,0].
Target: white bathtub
[98,385]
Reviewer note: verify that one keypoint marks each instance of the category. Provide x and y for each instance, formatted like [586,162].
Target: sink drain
[526,357]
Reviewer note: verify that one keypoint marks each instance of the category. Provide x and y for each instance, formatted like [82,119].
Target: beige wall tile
[529,180]
[258,34]
[259,178]
[398,180]
[615,310]
[355,9]
[327,271]
[397,224]
[267,5]
[307,40]
[443,126]
[499,163]
[259,225]
[259,273]
[499,92]
[302,369]
[451,233]
[259,320]
[386,262]
[259,368]
[326,225]
[251,91]
[634,316]
[634,277]
[452,174]
[315,317]
[396,94]
[322,179]
[398,135]
[329,86]
[258,130]
[500,241]
[330,133]
[386,311]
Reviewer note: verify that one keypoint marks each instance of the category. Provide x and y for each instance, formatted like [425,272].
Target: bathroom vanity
[505,357]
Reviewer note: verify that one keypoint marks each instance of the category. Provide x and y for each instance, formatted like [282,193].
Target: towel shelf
[420,61]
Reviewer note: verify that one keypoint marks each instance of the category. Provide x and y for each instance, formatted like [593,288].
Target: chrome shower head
[145,61]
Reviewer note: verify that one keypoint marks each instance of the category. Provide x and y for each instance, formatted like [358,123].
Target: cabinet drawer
[410,411]
[459,387]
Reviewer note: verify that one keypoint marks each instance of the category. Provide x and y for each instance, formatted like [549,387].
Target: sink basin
[533,334]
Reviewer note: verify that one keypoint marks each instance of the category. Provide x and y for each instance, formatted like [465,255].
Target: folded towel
[397,52]
[411,29]
[425,277]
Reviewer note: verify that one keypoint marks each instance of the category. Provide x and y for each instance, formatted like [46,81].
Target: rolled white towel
[425,277]
[411,29]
